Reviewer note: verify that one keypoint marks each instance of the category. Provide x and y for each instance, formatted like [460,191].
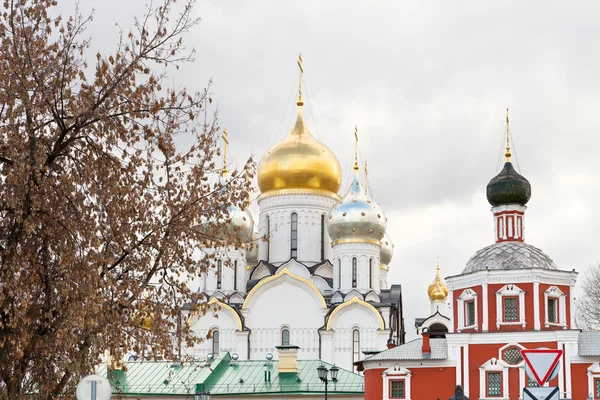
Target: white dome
[509,255]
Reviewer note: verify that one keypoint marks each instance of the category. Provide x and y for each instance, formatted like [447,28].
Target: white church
[320,280]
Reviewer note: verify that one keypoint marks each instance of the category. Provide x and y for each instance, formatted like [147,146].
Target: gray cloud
[427,85]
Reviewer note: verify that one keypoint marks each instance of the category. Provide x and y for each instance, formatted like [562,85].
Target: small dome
[508,187]
[299,162]
[252,253]
[356,217]
[242,223]
[387,250]
[437,291]
[509,255]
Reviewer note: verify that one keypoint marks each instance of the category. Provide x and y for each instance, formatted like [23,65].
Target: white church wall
[284,302]
[279,209]
[356,316]
[222,320]
[363,253]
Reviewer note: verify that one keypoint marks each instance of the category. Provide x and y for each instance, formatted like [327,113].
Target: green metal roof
[225,377]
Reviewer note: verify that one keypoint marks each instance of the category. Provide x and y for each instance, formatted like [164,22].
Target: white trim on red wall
[510,291]
[396,372]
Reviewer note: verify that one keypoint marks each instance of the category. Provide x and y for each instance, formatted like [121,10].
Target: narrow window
[470,313]
[339,273]
[215,344]
[285,337]
[371,273]
[219,273]
[397,389]
[494,384]
[235,272]
[355,346]
[294,241]
[552,310]
[268,238]
[322,237]
[511,309]
[354,261]
[597,387]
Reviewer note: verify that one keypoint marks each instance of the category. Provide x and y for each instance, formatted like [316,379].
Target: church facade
[314,273]
[510,296]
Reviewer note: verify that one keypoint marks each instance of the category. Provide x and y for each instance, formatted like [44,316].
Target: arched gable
[284,275]
[213,307]
[320,283]
[260,271]
[295,267]
[348,306]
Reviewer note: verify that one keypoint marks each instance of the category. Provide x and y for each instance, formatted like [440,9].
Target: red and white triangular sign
[542,362]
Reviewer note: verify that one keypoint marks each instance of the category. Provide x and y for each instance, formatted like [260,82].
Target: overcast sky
[427,84]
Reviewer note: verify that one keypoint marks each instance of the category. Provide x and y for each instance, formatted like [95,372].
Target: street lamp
[322,371]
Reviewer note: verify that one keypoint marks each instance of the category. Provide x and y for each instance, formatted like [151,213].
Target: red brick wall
[579,382]
[481,353]
[432,383]
[374,384]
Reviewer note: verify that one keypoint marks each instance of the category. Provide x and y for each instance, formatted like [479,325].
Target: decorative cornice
[281,273]
[214,300]
[355,300]
[526,275]
[362,241]
[284,192]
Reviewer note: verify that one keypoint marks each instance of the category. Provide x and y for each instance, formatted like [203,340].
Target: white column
[567,367]
[484,289]
[458,366]
[466,370]
[571,307]
[450,301]
[536,306]
[561,375]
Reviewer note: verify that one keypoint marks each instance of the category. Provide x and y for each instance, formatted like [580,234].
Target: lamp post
[323,372]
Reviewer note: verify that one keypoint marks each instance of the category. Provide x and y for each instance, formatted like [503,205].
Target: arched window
[219,273]
[339,273]
[215,343]
[294,241]
[322,237]
[285,337]
[354,272]
[371,273]
[268,238]
[235,272]
[355,346]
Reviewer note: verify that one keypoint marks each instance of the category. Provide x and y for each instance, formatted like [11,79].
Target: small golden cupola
[437,291]
[299,163]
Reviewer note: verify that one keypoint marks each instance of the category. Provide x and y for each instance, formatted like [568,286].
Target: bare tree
[98,203]
[588,302]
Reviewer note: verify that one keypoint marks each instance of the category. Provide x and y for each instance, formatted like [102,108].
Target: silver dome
[252,253]
[241,224]
[356,217]
[509,255]
[387,250]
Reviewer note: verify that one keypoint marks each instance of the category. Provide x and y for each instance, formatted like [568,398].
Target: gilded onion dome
[387,250]
[299,163]
[508,187]
[437,291]
[356,217]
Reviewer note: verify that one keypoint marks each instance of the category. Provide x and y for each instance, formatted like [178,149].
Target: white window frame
[494,365]
[554,292]
[510,291]
[395,373]
[467,295]
[593,373]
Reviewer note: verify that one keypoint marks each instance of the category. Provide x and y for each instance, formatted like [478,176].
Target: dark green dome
[508,187]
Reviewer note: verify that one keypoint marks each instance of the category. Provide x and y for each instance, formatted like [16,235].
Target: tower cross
[300,103]
[507,154]
[356,148]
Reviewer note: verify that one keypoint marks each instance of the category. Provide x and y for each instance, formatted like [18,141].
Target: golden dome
[299,162]
[437,291]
